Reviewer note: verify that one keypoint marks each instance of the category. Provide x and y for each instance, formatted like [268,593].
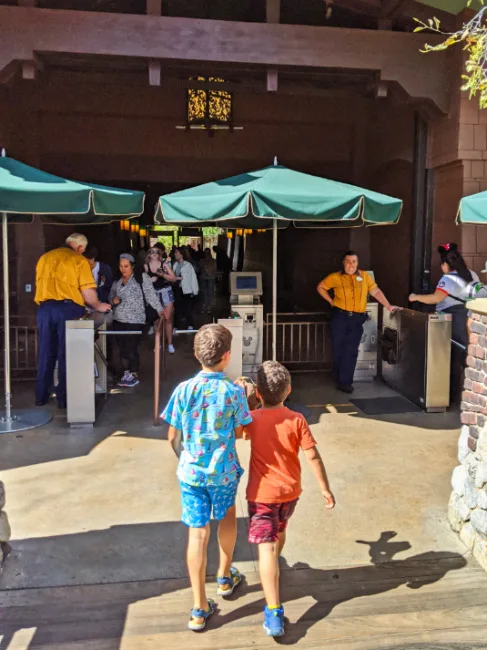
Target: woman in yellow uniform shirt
[349,303]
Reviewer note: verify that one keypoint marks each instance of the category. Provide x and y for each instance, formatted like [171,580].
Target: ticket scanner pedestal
[245,300]
[86,366]
[235,325]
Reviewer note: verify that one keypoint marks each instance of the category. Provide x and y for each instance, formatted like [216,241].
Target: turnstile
[86,365]
[415,354]
[366,368]
[86,371]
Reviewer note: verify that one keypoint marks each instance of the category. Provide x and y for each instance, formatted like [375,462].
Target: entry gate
[303,341]
[23,348]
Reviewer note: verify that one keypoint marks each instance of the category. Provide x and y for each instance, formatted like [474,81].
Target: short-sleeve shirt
[455,290]
[276,436]
[62,274]
[350,291]
[207,409]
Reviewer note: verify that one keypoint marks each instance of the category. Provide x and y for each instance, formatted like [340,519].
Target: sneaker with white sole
[124,378]
[131,381]
[274,621]
[170,349]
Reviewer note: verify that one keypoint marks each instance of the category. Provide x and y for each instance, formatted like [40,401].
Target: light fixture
[229,234]
[143,232]
[209,106]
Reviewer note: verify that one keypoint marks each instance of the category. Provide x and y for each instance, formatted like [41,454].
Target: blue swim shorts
[199,503]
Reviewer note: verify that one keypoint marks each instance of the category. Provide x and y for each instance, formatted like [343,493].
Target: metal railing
[303,341]
[23,348]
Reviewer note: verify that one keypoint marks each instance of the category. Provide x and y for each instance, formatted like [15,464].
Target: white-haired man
[64,286]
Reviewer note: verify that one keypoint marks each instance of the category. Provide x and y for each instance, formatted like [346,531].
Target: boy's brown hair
[273,381]
[211,342]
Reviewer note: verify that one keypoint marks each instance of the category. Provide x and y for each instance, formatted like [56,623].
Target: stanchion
[157,370]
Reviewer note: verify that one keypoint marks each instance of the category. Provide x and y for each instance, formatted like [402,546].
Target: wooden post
[154,7]
[272,80]
[157,372]
[273,11]
[273,15]
[154,72]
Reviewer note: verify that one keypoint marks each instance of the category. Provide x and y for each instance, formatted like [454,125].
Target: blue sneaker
[274,621]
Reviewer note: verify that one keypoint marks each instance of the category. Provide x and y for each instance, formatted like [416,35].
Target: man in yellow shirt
[64,285]
[349,303]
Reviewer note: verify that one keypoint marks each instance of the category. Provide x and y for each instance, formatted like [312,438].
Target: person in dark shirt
[102,273]
[224,266]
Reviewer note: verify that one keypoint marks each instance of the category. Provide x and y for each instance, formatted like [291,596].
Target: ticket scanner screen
[246,286]
[248,282]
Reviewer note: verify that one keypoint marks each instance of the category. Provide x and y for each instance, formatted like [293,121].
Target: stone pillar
[4,527]
[467,510]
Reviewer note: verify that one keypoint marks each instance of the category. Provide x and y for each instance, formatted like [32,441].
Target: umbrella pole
[6,320]
[26,418]
[274,290]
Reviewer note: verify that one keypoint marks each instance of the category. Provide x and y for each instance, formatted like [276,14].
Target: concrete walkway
[95,518]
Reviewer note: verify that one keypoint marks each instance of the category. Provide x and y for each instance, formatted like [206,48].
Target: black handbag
[151,314]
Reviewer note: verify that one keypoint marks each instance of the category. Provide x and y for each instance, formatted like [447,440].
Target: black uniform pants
[346,333]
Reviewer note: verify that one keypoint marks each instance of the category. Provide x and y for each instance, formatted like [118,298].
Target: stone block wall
[4,527]
[467,509]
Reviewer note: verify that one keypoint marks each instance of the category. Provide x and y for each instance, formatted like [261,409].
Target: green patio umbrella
[274,197]
[473,209]
[25,191]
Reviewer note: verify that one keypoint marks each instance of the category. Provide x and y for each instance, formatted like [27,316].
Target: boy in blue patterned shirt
[205,415]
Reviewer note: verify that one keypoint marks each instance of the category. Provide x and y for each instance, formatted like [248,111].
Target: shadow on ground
[98,613]
[117,554]
[330,588]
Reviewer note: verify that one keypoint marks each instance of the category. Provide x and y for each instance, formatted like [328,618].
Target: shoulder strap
[141,285]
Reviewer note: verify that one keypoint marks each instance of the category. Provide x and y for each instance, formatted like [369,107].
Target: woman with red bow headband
[452,292]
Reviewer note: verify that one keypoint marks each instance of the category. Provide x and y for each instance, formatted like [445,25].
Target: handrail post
[157,371]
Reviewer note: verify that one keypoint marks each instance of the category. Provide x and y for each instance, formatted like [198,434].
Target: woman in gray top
[127,299]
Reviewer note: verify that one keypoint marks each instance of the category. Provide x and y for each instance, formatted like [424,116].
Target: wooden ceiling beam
[365,7]
[412,9]
[394,57]
[391,7]
[388,9]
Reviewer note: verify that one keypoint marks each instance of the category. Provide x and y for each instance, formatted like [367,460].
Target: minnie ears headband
[445,248]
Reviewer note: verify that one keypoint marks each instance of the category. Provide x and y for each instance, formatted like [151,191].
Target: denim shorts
[200,502]
[166,295]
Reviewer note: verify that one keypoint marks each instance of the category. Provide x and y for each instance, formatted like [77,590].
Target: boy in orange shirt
[276,435]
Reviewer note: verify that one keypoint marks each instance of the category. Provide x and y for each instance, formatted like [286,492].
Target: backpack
[474,289]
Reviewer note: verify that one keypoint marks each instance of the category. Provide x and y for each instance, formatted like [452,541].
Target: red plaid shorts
[267,520]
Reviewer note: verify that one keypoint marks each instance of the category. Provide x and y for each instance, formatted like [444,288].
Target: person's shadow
[383,551]
[332,587]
